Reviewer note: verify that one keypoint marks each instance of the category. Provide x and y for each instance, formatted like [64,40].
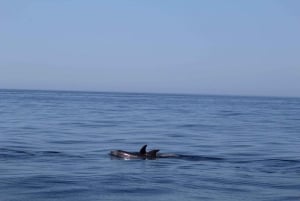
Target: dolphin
[153,154]
[142,154]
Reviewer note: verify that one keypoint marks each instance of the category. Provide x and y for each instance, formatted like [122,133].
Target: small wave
[282,161]
[271,161]
[68,141]
[228,113]
[196,126]
[270,166]
[200,158]
[23,154]
[14,153]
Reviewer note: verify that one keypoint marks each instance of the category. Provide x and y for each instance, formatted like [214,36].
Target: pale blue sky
[188,46]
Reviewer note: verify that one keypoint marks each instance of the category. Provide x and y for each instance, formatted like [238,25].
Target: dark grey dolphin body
[142,154]
[153,154]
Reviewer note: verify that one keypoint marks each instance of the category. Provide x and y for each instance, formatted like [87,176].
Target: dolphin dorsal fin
[143,150]
[152,153]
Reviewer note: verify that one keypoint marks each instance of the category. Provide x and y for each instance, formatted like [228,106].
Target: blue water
[55,145]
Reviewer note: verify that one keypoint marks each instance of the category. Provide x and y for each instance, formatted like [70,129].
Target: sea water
[55,145]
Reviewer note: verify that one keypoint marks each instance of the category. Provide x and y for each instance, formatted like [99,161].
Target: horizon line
[141,92]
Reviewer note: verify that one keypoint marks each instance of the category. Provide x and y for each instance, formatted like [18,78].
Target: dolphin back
[152,153]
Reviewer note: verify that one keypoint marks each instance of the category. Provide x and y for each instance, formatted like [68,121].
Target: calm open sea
[54,146]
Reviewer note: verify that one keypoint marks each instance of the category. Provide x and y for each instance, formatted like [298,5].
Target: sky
[158,46]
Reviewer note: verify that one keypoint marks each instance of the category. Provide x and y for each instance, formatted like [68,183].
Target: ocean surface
[55,146]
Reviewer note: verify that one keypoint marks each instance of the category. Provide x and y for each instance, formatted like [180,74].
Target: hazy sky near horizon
[176,46]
